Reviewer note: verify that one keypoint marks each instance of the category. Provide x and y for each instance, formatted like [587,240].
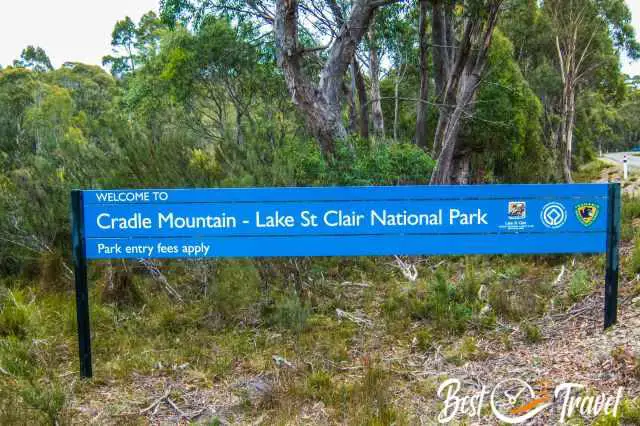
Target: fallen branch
[408,269]
[351,317]
[157,401]
[178,410]
[350,284]
[559,277]
[158,276]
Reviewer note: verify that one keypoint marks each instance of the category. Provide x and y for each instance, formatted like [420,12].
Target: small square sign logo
[517,210]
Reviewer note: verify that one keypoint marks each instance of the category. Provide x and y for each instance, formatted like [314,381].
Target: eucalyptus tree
[34,58]
[459,64]
[319,95]
[588,37]
[133,44]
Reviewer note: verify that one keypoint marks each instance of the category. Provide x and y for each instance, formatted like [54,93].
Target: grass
[629,415]
[591,171]
[580,285]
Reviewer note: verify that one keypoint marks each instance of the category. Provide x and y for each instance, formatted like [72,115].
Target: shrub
[122,289]
[49,399]
[371,400]
[630,208]
[14,315]
[235,292]
[289,312]
[580,285]
[532,333]
[448,308]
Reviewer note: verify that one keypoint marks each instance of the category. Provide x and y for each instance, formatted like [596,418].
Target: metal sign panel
[346,221]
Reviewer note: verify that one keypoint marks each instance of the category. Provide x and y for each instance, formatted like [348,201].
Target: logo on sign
[587,213]
[517,210]
[553,215]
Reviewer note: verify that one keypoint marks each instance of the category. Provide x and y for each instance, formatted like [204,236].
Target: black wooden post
[612,261]
[82,290]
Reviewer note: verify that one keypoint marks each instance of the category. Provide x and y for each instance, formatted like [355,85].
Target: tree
[320,103]
[458,68]
[34,58]
[317,96]
[133,45]
[374,67]
[585,32]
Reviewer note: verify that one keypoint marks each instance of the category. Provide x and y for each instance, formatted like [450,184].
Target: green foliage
[630,209]
[289,312]
[505,132]
[34,58]
[629,413]
[446,307]
[15,315]
[235,291]
[361,163]
[370,402]
[48,399]
[133,45]
[532,333]
[580,285]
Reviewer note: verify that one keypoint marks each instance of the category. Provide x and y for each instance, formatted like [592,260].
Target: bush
[14,316]
[289,313]
[532,333]
[361,162]
[448,308]
[580,285]
[235,292]
[630,209]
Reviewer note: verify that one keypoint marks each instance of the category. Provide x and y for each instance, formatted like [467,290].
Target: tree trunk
[396,106]
[376,102]
[320,103]
[462,165]
[239,131]
[449,126]
[423,97]
[361,89]
[463,80]
[351,102]
[565,134]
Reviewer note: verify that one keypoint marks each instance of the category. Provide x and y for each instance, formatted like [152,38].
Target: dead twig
[351,317]
[157,401]
[178,410]
[351,284]
[408,270]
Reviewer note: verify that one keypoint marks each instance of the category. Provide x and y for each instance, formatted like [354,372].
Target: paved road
[618,156]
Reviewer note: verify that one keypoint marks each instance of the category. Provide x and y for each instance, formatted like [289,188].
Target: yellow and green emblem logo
[587,213]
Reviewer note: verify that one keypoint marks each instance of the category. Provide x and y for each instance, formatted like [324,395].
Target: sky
[68,30]
[80,30]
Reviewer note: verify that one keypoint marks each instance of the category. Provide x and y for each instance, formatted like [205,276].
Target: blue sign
[345,221]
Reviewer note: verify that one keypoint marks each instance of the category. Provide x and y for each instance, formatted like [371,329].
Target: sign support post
[82,290]
[625,167]
[612,259]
